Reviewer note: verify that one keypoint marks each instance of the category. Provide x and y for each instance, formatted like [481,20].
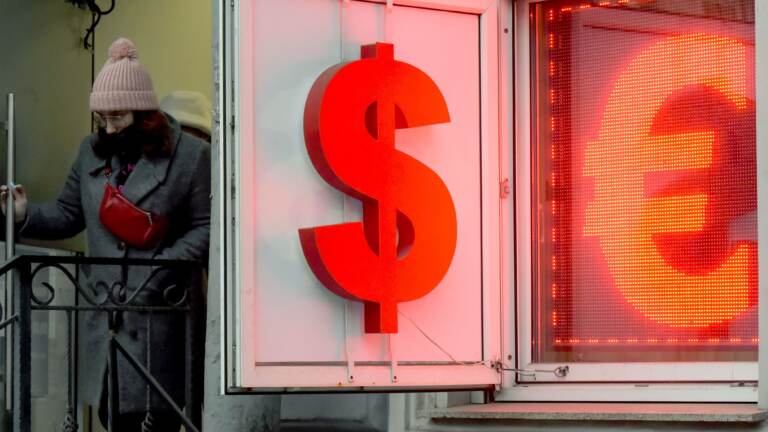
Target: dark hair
[151,129]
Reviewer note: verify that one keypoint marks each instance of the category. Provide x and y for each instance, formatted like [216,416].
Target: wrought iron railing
[181,295]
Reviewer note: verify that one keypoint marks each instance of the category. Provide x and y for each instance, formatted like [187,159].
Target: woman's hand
[19,202]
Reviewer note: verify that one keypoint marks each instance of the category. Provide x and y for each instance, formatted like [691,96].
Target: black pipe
[113,404]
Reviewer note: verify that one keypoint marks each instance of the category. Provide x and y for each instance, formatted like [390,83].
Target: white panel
[446,48]
[281,192]
[286,315]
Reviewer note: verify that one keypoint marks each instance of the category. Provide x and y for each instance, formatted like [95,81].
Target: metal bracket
[392,359]
[504,188]
[350,370]
[560,371]
[348,345]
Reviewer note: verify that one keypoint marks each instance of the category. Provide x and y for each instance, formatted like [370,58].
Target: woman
[140,154]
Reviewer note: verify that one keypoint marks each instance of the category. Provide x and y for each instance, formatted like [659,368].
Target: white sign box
[285,331]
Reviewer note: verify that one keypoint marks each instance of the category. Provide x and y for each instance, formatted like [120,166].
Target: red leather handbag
[136,227]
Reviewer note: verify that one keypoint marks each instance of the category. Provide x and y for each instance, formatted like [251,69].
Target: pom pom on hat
[123,48]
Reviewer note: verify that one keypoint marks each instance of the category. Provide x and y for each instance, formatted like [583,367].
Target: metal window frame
[519,336]
[761,96]
[232,66]
[511,128]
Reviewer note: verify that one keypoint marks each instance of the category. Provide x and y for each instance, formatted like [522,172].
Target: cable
[444,351]
[387,21]
[341,30]
[90,34]
[560,371]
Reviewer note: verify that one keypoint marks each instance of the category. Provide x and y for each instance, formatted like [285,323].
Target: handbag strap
[108,172]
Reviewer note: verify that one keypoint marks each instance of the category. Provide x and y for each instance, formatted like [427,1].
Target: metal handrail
[25,301]
[80,260]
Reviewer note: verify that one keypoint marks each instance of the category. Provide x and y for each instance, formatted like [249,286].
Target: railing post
[10,168]
[69,424]
[22,350]
[113,404]
[192,360]
[23,300]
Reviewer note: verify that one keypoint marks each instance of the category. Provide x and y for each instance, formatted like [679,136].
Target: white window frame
[235,70]
[730,382]
[512,216]
[761,96]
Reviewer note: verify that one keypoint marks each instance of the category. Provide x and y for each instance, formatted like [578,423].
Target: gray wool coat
[177,186]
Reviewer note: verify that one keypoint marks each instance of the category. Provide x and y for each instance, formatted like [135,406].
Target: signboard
[652,215]
[364,198]
[643,253]
[405,243]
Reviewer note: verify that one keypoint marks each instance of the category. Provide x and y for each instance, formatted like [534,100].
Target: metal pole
[193,352]
[10,156]
[10,144]
[70,418]
[113,404]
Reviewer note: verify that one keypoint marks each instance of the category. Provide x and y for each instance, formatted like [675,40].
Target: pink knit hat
[123,84]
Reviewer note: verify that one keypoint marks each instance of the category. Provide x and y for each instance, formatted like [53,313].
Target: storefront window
[645,181]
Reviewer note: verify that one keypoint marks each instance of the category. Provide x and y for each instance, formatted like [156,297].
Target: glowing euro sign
[631,148]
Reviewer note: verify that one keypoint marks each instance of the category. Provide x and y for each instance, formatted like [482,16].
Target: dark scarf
[127,144]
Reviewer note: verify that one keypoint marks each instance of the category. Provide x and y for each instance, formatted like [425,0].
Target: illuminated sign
[645,186]
[678,109]
[406,241]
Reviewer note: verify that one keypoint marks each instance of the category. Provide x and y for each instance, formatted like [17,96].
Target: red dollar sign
[406,241]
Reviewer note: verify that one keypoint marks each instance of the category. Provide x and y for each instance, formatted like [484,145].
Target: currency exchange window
[645,181]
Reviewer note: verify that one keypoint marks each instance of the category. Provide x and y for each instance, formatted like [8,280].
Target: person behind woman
[193,111]
[141,154]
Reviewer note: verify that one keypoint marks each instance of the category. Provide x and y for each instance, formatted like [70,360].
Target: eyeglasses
[118,120]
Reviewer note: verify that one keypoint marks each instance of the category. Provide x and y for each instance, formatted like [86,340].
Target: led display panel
[644,181]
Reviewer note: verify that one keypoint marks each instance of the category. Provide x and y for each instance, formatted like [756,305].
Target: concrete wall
[45,65]
[226,413]
[401,414]
[369,410]
[407,414]
[50,73]
[556,426]
[174,39]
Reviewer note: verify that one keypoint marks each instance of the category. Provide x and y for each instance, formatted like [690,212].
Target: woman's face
[114,121]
